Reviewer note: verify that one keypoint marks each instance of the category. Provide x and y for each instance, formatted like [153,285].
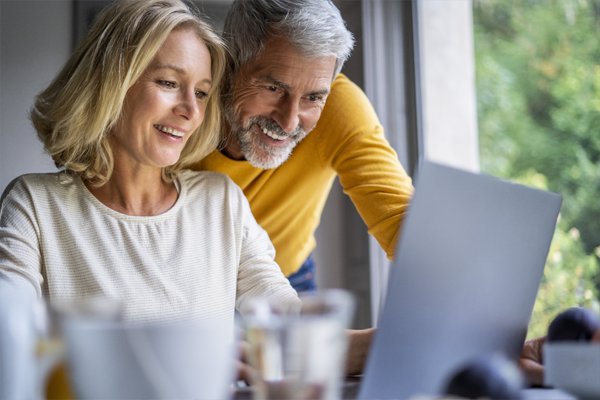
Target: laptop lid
[468,266]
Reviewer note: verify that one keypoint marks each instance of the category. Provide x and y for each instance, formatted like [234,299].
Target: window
[538,99]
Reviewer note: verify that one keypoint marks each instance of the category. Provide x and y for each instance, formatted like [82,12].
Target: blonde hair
[74,115]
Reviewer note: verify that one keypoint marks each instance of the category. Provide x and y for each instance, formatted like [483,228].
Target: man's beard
[257,151]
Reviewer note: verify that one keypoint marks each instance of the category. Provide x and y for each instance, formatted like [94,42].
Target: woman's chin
[167,160]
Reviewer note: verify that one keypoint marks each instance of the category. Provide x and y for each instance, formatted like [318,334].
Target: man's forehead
[284,66]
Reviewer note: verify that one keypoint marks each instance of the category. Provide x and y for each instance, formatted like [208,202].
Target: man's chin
[267,162]
[260,158]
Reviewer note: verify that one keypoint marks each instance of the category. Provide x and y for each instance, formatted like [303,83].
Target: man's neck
[232,148]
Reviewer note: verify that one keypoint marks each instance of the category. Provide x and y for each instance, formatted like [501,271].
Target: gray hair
[314,27]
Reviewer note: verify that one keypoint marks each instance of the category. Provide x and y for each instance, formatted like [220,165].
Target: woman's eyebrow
[177,69]
[169,66]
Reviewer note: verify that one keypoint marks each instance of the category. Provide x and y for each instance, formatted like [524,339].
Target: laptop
[468,265]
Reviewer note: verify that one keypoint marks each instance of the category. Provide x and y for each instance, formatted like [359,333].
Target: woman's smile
[175,133]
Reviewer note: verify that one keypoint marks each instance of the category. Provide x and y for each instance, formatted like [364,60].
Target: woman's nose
[188,106]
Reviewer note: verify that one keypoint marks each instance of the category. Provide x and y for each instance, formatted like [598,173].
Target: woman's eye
[167,84]
[200,94]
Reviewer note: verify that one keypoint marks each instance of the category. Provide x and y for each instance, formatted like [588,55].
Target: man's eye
[314,98]
[272,88]
[200,94]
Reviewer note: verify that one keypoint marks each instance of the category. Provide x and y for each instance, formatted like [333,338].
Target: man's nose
[287,114]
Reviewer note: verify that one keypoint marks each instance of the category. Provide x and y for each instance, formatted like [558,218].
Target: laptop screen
[468,265]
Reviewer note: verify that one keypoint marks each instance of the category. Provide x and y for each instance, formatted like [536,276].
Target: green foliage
[569,281]
[538,89]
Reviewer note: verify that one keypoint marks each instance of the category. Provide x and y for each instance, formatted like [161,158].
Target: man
[293,123]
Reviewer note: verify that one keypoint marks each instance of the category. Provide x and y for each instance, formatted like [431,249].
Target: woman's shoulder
[211,187]
[38,191]
[37,183]
[199,180]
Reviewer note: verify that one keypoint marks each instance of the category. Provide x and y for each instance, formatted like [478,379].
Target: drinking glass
[299,353]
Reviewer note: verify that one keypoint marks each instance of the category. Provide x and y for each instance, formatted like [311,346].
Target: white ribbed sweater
[201,258]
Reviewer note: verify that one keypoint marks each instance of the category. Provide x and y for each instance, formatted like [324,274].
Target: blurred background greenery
[538,99]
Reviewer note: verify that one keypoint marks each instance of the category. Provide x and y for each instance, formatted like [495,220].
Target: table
[352,386]
[349,391]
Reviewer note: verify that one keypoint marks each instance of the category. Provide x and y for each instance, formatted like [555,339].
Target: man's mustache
[272,125]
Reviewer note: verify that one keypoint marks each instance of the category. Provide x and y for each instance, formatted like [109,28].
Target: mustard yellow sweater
[348,141]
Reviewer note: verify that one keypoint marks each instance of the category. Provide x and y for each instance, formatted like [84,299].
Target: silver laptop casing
[468,266]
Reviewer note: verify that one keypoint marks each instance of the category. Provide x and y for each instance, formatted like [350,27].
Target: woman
[136,103]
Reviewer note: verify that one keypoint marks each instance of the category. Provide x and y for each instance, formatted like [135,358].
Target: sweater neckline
[181,193]
[238,163]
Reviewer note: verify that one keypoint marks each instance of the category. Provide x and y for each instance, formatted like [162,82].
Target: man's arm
[531,362]
[358,350]
[352,142]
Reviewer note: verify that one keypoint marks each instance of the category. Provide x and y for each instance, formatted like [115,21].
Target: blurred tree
[538,92]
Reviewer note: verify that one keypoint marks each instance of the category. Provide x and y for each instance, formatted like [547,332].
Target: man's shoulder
[342,87]
[347,112]
[347,104]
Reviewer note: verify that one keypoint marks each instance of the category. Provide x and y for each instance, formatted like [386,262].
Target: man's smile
[272,134]
[272,138]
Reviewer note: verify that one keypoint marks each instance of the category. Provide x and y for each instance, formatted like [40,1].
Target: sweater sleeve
[20,257]
[258,273]
[368,167]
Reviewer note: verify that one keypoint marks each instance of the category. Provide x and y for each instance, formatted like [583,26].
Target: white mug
[20,328]
[108,359]
[115,360]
